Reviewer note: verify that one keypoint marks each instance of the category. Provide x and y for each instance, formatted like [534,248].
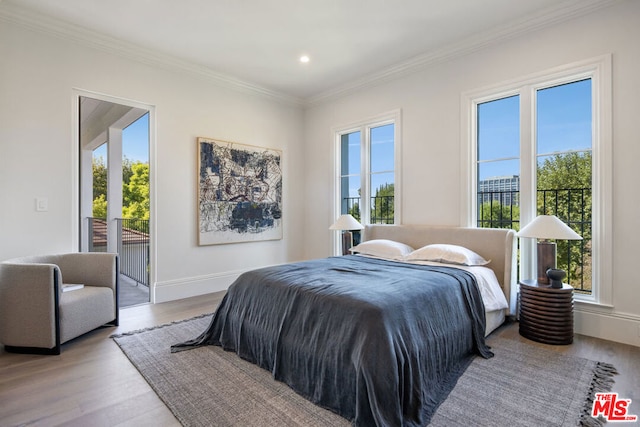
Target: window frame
[365,126]
[599,71]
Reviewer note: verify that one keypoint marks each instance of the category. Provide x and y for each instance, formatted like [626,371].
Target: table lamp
[548,227]
[346,223]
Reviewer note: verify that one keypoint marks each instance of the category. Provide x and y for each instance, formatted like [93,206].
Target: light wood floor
[93,383]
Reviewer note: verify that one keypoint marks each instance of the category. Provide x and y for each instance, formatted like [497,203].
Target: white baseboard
[622,328]
[193,286]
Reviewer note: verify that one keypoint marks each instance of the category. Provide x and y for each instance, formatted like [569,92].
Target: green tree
[135,189]
[127,169]
[354,211]
[382,209]
[497,215]
[136,193]
[564,190]
[571,170]
[99,178]
[100,206]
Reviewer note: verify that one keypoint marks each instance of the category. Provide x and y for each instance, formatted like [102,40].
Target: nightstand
[546,313]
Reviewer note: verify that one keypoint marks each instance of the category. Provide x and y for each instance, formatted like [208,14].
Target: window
[498,162]
[542,146]
[367,181]
[564,171]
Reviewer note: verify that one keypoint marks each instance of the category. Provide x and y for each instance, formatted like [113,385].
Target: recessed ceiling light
[304,59]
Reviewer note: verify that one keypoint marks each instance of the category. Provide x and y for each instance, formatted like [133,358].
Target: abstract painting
[239,193]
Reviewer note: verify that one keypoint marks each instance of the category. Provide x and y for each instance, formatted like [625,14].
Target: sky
[135,141]
[564,121]
[382,155]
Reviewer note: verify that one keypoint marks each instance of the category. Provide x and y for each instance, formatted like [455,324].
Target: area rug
[523,385]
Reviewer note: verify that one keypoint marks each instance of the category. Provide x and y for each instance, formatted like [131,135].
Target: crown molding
[561,12]
[45,24]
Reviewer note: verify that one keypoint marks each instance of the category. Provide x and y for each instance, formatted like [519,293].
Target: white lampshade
[548,227]
[346,222]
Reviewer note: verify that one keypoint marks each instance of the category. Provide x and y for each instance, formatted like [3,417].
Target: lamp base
[546,260]
[347,242]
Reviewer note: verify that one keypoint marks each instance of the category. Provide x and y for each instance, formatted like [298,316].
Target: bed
[379,341]
[497,245]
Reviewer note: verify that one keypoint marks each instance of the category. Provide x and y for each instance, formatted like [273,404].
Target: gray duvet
[378,342]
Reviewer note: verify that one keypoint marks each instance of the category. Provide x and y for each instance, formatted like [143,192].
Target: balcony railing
[97,235]
[382,209]
[500,209]
[133,249]
[132,244]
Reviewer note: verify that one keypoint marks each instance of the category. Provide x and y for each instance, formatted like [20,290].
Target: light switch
[42,204]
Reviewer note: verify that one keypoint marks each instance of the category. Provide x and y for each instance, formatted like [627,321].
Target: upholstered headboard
[497,245]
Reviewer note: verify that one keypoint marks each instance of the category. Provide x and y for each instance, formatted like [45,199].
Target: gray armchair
[36,316]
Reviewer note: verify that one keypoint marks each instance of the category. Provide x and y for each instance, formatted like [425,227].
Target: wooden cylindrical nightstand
[546,313]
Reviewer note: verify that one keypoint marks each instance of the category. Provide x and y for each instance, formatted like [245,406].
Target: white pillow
[448,254]
[383,248]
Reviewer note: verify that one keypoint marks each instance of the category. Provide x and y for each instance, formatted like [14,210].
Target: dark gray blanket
[378,342]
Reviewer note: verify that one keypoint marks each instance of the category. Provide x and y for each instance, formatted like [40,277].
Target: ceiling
[258,43]
[97,116]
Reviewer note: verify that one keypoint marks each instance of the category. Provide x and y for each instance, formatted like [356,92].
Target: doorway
[114,170]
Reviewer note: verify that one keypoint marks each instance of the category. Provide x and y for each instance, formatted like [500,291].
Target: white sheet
[492,294]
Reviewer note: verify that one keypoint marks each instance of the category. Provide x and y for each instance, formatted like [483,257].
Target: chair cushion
[85,309]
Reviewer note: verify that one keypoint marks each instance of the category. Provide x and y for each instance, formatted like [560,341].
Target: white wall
[38,155]
[430,104]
